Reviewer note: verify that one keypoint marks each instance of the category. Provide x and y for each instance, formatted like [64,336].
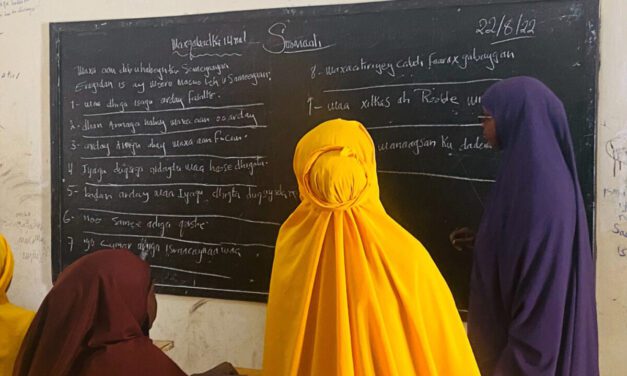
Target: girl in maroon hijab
[95,322]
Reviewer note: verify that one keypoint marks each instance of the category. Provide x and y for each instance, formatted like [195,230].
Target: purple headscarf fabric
[532,300]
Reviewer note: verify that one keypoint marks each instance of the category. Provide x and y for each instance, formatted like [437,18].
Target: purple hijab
[532,300]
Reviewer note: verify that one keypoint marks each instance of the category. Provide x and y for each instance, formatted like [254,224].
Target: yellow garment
[352,292]
[14,321]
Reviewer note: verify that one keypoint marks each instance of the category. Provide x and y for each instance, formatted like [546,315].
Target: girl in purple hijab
[532,301]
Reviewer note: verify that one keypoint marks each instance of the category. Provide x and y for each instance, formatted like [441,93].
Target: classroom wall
[206,331]
[611,196]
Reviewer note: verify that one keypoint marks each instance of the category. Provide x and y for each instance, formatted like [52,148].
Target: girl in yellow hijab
[14,321]
[352,292]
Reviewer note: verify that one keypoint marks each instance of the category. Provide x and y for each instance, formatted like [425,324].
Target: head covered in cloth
[95,322]
[532,301]
[14,320]
[352,292]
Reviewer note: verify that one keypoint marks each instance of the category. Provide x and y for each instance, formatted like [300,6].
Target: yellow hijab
[352,292]
[14,321]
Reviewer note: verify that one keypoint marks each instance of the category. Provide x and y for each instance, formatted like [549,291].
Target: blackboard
[174,136]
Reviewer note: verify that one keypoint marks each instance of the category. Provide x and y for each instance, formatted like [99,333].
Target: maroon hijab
[94,322]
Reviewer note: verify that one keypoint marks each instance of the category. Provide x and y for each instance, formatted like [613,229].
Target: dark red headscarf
[94,322]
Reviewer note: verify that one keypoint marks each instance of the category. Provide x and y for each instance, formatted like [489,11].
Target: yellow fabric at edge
[14,321]
[352,292]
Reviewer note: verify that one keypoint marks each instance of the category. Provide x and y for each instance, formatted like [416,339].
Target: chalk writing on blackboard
[181,148]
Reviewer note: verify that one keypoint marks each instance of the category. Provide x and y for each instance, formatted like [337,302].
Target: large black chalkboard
[174,136]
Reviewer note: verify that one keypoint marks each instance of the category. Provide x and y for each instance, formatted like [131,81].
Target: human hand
[462,239]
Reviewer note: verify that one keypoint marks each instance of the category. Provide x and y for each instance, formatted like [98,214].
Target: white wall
[206,331]
[612,126]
